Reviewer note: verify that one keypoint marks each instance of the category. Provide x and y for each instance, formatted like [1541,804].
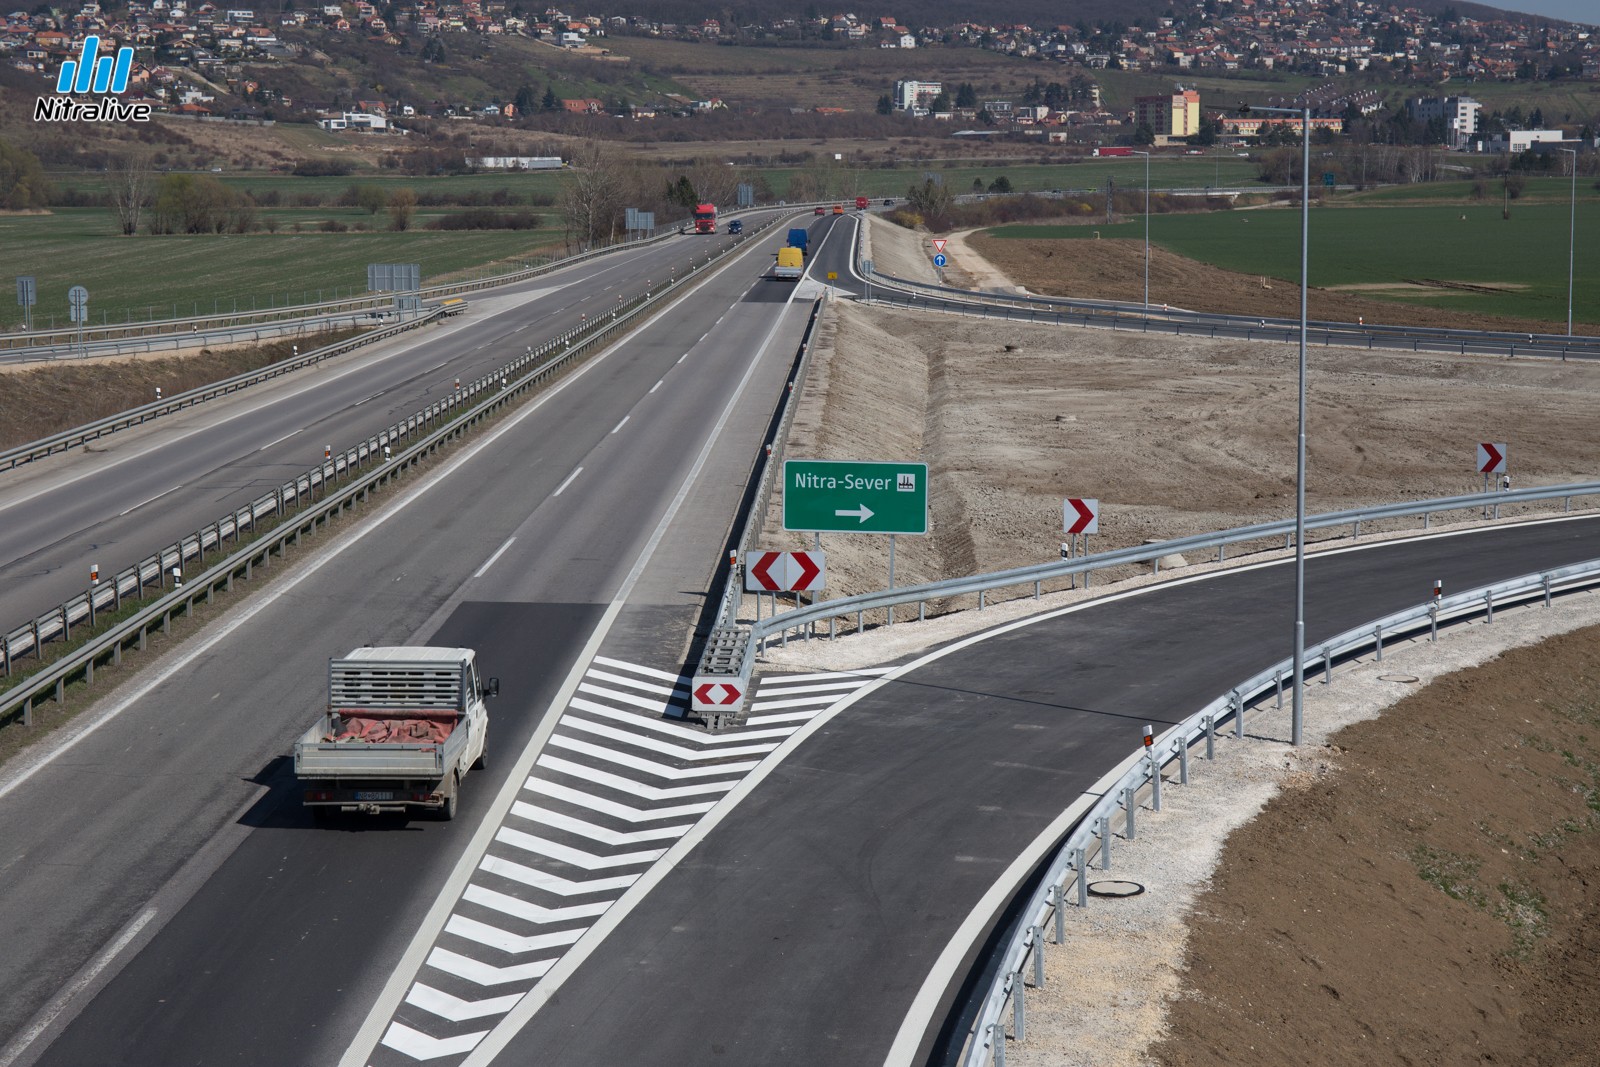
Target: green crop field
[169,274]
[1522,261]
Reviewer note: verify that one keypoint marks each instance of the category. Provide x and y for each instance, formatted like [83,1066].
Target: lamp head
[1244,109]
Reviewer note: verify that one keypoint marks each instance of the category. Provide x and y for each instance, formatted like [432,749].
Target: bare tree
[131,190]
[591,199]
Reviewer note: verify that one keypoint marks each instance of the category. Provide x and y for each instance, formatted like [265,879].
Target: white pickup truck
[402,729]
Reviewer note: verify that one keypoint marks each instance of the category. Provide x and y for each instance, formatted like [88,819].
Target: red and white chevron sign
[784,572]
[1492,457]
[724,694]
[1080,516]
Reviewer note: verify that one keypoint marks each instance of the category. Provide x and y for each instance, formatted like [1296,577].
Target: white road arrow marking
[455,1009]
[863,513]
[419,1046]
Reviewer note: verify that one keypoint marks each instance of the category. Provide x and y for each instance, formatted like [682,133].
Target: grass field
[167,274]
[1520,263]
[1541,188]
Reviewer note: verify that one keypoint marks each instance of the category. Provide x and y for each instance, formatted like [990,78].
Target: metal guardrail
[1107,314]
[1039,573]
[535,367]
[1094,832]
[135,416]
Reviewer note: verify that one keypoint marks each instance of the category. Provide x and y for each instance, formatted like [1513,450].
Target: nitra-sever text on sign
[904,482]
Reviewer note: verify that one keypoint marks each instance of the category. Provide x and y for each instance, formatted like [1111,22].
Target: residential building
[1460,115]
[1177,115]
[915,96]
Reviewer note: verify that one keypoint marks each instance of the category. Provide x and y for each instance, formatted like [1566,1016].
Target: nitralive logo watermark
[92,73]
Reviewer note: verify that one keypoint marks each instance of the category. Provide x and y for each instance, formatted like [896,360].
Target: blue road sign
[939,260]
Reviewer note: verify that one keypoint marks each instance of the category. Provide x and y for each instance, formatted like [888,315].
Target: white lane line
[364,399]
[653,707]
[656,386]
[481,571]
[788,716]
[797,702]
[862,675]
[837,688]
[142,503]
[83,981]
[568,482]
[648,672]
[279,441]
[682,358]
[621,424]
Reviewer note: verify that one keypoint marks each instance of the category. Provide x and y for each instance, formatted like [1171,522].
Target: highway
[175,822]
[168,900]
[127,495]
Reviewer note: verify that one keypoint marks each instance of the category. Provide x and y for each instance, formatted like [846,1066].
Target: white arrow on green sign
[855,496]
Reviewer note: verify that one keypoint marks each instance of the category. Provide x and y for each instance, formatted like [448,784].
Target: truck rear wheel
[448,812]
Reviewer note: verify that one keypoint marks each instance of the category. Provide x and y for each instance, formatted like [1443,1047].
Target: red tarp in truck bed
[378,727]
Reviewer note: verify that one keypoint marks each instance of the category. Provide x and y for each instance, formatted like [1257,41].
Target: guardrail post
[66,625]
[1211,738]
[1038,957]
[89,596]
[1237,704]
[1433,622]
[1019,1014]
[5,653]
[1058,893]
[1277,678]
[1129,806]
[1183,762]
[1488,603]
[1155,782]
[1327,667]
[1080,864]
[1546,582]
[1105,842]
[997,1043]
[1425,517]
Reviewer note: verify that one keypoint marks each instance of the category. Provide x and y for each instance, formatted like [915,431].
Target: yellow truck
[791,264]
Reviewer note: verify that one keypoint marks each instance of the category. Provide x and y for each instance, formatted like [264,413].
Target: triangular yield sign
[938,244]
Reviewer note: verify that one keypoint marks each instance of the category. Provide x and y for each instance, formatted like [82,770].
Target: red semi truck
[705,218]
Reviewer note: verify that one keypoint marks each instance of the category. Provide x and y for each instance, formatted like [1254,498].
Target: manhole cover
[1407,678]
[1114,888]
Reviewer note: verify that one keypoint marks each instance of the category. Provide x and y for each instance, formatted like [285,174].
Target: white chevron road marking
[554,883]
[665,748]
[604,835]
[442,959]
[659,770]
[836,688]
[862,675]
[636,683]
[521,909]
[456,1010]
[652,705]
[419,1046]
[648,672]
[670,729]
[611,807]
[573,856]
[505,940]
[818,702]
[627,785]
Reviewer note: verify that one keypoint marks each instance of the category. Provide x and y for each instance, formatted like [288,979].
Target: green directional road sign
[855,496]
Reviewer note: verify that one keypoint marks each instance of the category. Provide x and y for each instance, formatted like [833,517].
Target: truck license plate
[373,795]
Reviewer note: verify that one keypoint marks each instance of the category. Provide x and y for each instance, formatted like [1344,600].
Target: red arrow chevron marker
[762,571]
[809,569]
[1491,458]
[1081,516]
[717,693]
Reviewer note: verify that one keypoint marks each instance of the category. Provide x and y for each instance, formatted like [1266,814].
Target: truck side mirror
[492,689]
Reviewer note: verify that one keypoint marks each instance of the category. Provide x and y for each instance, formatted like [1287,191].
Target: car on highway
[736,226]
[820,211]
[888,201]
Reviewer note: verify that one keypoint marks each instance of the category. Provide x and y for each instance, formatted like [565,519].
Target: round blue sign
[939,260]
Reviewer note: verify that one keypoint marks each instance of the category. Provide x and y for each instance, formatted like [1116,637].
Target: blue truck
[798,237]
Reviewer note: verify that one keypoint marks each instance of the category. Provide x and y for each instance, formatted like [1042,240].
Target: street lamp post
[1572,233]
[1297,714]
[1146,156]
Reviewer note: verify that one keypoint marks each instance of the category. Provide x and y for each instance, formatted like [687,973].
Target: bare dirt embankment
[1424,889]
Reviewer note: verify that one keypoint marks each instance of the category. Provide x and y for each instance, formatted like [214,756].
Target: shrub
[322,168]
[484,219]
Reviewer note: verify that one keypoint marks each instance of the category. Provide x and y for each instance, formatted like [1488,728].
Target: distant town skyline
[1570,10]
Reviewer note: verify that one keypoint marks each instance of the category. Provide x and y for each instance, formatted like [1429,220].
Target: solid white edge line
[428,933]
[621,424]
[66,996]
[481,571]
[568,482]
